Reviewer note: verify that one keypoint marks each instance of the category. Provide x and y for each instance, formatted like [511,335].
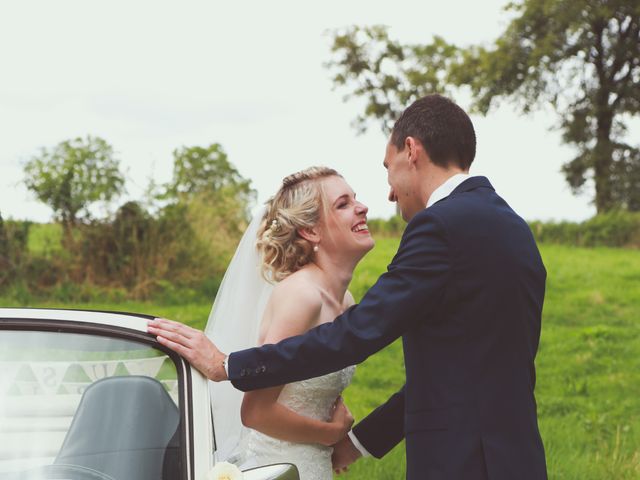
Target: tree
[387,74]
[213,198]
[74,175]
[205,171]
[579,57]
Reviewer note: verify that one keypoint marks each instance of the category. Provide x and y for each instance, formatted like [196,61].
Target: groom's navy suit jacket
[465,293]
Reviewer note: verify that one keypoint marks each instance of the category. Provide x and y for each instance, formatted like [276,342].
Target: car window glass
[85,407]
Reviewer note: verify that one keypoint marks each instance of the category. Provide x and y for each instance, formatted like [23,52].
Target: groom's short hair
[443,128]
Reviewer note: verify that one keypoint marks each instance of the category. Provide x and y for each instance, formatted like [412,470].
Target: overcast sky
[150,76]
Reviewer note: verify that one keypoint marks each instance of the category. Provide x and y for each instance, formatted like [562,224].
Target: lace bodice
[313,398]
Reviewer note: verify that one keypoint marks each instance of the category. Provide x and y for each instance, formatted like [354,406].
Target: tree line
[179,238]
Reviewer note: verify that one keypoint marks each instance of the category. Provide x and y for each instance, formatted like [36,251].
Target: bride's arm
[261,411]
[293,309]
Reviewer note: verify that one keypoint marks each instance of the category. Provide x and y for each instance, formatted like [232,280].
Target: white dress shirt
[444,190]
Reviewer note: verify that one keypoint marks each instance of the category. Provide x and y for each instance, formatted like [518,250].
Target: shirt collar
[444,190]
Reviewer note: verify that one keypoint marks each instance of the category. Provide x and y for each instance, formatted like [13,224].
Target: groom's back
[470,365]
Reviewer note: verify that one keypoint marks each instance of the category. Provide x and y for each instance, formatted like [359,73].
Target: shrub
[181,252]
[612,229]
[393,227]
[13,250]
[137,251]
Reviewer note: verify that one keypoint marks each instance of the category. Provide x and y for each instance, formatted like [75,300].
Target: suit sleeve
[383,428]
[408,293]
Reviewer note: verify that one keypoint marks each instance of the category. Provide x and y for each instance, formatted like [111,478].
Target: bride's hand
[341,419]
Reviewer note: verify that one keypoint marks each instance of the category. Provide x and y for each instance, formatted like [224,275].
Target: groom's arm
[383,428]
[407,294]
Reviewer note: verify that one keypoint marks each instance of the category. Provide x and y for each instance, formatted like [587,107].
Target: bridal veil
[234,324]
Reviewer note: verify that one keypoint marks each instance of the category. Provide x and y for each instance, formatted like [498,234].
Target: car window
[83,407]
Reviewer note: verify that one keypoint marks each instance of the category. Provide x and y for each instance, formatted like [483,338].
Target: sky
[152,76]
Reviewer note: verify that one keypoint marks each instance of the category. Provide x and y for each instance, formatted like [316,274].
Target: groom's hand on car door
[192,344]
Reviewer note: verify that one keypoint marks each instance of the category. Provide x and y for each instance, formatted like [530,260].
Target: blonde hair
[297,205]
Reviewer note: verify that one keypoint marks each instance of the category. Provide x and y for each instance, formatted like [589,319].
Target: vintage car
[88,395]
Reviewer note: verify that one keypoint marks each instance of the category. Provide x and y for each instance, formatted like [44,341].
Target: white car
[88,395]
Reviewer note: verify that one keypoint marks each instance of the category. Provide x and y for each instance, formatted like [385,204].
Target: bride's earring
[315,248]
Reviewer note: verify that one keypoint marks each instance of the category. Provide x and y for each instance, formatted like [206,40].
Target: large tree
[201,171]
[579,57]
[213,197]
[72,176]
[197,169]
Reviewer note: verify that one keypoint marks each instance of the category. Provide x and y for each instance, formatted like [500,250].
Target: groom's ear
[414,149]
[310,234]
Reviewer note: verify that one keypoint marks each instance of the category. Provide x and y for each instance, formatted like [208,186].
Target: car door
[91,396]
[83,398]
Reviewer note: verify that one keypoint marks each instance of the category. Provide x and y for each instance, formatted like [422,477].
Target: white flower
[224,471]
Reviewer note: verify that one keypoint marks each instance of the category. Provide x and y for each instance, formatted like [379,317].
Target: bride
[309,239]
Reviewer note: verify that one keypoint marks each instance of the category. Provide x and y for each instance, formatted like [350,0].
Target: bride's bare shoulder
[293,308]
[300,288]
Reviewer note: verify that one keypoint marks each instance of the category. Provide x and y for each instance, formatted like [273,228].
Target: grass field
[588,364]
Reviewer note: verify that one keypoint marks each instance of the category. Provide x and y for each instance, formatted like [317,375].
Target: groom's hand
[192,344]
[344,454]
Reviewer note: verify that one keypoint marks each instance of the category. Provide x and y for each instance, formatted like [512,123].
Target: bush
[13,250]
[141,253]
[393,227]
[118,252]
[612,229]
[179,253]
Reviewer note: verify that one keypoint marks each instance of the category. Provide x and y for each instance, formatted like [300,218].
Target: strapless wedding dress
[313,398]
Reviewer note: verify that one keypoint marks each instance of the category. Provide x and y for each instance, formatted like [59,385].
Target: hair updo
[295,206]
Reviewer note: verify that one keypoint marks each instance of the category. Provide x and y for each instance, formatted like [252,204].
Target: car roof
[134,321]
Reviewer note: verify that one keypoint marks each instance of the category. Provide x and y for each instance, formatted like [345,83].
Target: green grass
[588,364]
[381,375]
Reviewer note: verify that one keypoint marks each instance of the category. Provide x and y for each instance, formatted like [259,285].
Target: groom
[465,293]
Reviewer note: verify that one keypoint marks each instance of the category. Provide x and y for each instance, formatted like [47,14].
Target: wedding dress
[312,398]
[234,325]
